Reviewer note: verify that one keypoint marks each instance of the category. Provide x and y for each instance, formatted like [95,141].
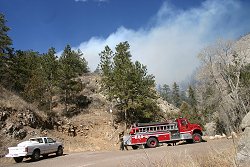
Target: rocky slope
[92,129]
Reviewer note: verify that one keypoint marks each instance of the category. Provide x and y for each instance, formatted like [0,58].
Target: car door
[183,125]
[40,145]
[46,146]
[52,145]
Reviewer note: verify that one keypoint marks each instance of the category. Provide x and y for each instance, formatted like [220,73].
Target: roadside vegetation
[219,89]
[218,92]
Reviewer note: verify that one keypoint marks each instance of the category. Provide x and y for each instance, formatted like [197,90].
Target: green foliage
[5,41]
[38,77]
[71,65]
[192,97]
[5,51]
[35,87]
[106,68]
[245,76]
[171,115]
[82,101]
[187,104]
[176,95]
[220,126]
[166,93]
[129,83]
[189,112]
[50,66]
[25,63]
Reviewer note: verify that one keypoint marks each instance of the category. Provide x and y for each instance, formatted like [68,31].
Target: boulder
[234,135]
[218,136]
[245,122]
[211,137]
[10,128]
[243,148]
[210,128]
[21,134]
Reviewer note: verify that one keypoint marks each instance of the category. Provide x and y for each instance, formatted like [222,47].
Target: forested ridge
[40,77]
[218,93]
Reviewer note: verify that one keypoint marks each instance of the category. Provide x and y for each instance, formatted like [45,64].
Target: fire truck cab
[172,131]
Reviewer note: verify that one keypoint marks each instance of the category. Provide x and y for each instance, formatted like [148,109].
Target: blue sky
[165,35]
[40,24]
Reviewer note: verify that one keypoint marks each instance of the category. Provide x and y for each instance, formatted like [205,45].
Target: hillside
[92,129]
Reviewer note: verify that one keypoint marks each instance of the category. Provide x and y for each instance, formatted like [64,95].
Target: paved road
[141,157]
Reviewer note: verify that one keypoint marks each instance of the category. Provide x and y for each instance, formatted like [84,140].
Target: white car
[34,148]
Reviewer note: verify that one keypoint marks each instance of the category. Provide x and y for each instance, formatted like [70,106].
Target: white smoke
[170,45]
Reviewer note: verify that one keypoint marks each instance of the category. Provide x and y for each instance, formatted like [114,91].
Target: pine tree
[185,110]
[129,83]
[71,65]
[176,95]
[183,96]
[50,66]
[5,41]
[142,94]
[35,87]
[166,93]
[106,69]
[22,69]
[5,51]
[121,76]
[192,97]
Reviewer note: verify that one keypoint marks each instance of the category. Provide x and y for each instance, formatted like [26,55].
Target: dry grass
[9,99]
[6,161]
[225,159]
[213,158]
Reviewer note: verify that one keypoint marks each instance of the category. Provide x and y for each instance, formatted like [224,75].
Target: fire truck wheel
[135,147]
[152,142]
[197,138]
[189,140]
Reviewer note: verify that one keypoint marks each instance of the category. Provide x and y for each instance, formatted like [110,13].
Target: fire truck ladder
[169,127]
[152,127]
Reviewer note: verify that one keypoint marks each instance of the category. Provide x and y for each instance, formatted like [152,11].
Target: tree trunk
[50,93]
[125,117]
[65,101]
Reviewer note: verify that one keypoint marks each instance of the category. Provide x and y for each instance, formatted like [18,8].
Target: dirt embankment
[91,129]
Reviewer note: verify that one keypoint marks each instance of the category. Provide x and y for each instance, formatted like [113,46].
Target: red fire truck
[151,134]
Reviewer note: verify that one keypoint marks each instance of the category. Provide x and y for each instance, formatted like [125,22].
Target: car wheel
[36,155]
[18,159]
[59,151]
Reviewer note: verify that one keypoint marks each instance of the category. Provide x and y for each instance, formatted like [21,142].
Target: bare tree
[219,86]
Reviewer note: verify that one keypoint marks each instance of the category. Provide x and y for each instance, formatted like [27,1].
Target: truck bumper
[16,155]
